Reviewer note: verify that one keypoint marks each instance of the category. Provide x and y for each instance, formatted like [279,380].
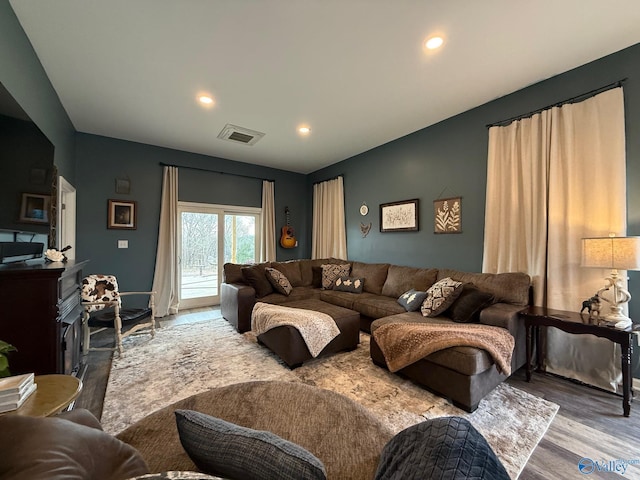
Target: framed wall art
[447,215]
[122,214]
[399,216]
[34,208]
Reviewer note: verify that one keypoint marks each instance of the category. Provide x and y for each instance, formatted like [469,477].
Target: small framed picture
[34,208]
[399,216]
[122,214]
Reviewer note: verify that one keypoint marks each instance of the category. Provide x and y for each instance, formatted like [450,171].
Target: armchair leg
[118,330]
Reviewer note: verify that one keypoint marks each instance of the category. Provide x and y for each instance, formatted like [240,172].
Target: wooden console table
[578,323]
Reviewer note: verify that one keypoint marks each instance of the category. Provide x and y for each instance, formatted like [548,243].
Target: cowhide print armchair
[102,304]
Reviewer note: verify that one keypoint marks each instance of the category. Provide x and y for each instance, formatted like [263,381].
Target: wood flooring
[589,423]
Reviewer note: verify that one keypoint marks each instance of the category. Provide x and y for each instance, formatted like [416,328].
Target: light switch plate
[123,243]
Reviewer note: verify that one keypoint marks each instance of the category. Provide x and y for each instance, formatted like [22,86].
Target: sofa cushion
[256,277]
[291,270]
[440,296]
[341,299]
[331,272]
[376,306]
[441,448]
[298,293]
[68,447]
[278,280]
[349,284]
[412,299]
[506,287]
[222,448]
[374,275]
[469,304]
[401,279]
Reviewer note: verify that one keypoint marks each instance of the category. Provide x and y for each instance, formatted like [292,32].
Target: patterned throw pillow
[440,296]
[349,284]
[331,272]
[412,299]
[222,448]
[280,283]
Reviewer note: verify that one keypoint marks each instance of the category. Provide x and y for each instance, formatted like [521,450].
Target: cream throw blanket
[317,329]
[405,343]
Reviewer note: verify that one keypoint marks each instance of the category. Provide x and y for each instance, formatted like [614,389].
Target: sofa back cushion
[291,270]
[374,275]
[510,288]
[402,279]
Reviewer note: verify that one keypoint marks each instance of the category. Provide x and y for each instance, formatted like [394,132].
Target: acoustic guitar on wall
[288,239]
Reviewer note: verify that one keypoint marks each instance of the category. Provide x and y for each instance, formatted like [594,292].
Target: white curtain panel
[329,236]
[165,277]
[553,179]
[268,223]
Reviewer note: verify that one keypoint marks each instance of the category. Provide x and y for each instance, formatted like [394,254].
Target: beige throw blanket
[405,343]
[317,329]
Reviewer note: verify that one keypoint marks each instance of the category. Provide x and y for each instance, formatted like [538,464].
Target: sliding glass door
[209,233]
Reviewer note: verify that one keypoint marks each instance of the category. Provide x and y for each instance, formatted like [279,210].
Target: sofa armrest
[506,316]
[236,304]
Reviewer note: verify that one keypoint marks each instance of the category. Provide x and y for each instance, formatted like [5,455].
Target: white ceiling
[355,71]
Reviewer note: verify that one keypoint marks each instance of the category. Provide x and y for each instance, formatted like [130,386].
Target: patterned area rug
[187,359]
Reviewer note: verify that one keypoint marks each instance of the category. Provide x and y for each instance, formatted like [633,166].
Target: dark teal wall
[100,160]
[23,76]
[449,159]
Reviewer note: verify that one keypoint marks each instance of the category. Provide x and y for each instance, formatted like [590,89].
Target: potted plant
[4,361]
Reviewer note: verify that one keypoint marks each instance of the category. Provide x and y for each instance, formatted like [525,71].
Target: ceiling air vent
[240,134]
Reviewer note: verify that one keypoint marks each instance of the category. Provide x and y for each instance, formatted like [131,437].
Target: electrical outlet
[123,243]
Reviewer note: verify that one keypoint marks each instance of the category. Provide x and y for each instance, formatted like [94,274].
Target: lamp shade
[620,253]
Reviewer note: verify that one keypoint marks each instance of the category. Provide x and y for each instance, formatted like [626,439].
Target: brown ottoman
[287,343]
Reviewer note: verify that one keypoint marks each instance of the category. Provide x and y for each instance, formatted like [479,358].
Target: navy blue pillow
[412,300]
[438,449]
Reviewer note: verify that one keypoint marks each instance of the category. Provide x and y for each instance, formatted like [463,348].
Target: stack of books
[15,390]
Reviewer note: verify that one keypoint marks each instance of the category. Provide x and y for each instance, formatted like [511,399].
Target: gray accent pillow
[279,281]
[440,296]
[349,284]
[221,448]
[412,299]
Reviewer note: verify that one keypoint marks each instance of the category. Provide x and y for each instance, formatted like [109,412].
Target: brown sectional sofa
[463,374]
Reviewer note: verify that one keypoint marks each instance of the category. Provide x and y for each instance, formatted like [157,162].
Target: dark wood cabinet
[41,315]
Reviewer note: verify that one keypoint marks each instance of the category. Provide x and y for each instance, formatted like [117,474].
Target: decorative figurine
[592,306]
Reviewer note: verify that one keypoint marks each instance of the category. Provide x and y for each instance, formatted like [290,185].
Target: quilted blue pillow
[228,450]
[440,449]
[412,300]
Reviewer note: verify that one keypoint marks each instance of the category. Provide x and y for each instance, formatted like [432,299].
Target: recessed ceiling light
[434,42]
[205,99]
[304,130]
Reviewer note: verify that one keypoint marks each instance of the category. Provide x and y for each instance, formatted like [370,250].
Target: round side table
[54,394]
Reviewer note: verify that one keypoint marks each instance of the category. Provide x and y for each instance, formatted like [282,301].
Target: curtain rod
[216,171]
[575,99]
[328,179]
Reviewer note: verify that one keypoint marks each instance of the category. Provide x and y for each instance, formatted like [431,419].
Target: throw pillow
[256,277]
[349,284]
[445,447]
[412,299]
[222,448]
[440,296]
[279,281]
[331,272]
[316,280]
[469,304]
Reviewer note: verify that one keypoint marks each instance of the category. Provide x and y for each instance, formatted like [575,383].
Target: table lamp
[616,253]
